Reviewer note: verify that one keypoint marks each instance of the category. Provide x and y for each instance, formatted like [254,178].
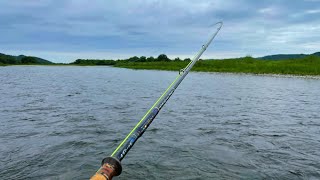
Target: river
[59,122]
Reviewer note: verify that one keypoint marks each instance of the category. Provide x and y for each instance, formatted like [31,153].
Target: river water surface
[60,122]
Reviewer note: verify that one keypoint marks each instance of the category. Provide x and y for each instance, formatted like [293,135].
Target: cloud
[113,29]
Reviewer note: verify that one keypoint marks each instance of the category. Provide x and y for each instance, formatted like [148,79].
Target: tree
[134,59]
[6,59]
[3,60]
[163,57]
[187,59]
[177,59]
[78,61]
[142,59]
[11,61]
[150,59]
[28,60]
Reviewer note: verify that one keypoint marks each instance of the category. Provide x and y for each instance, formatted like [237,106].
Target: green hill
[316,54]
[287,56]
[21,59]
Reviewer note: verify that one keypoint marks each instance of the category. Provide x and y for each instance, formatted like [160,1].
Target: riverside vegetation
[294,64]
[308,65]
[21,60]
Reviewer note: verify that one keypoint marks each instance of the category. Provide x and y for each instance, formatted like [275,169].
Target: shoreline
[237,73]
[284,75]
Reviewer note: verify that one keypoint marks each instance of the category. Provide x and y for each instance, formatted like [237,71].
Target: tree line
[160,58]
[11,60]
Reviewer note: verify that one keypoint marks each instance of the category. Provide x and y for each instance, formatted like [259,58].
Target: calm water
[60,122]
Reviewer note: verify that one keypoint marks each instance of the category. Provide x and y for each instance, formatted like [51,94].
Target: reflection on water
[60,122]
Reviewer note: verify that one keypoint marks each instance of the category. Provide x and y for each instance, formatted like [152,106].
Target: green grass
[306,66]
[309,65]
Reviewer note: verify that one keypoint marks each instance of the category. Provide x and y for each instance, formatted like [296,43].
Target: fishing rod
[111,166]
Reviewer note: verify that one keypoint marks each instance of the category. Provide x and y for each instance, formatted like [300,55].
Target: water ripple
[60,122]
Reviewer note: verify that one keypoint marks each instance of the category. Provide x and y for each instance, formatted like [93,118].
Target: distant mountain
[316,54]
[39,60]
[287,56]
[21,59]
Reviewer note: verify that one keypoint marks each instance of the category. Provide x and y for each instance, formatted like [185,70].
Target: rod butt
[110,167]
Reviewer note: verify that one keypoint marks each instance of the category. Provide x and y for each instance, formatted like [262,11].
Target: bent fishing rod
[111,166]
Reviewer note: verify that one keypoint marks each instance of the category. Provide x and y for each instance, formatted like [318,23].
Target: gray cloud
[114,29]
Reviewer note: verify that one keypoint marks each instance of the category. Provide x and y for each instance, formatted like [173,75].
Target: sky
[65,30]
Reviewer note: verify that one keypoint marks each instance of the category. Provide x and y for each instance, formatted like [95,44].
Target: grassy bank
[309,65]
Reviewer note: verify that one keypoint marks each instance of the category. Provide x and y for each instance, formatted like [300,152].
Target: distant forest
[296,64]
[308,65]
[160,58]
[16,60]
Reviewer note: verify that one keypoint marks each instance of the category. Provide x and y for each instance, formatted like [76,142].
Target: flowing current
[59,122]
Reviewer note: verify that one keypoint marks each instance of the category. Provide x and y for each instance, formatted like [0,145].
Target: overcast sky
[64,30]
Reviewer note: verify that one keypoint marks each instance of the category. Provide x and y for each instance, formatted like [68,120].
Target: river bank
[308,66]
[305,66]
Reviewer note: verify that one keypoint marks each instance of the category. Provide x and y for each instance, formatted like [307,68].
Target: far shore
[306,67]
